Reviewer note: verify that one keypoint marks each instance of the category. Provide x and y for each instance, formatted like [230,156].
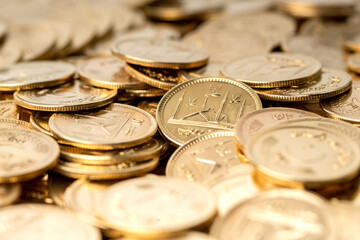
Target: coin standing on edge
[202,106]
[272,70]
[72,96]
[160,53]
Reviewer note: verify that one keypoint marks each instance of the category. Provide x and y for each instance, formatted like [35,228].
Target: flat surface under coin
[107,72]
[25,154]
[156,206]
[37,74]
[73,96]
[204,105]
[117,126]
[203,157]
[332,82]
[272,70]
[160,53]
[43,222]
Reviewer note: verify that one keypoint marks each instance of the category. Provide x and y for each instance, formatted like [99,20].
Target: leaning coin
[276,214]
[273,70]
[117,126]
[8,109]
[25,154]
[10,53]
[72,96]
[304,156]
[344,107]
[37,74]
[14,123]
[40,122]
[43,222]
[160,53]
[107,72]
[332,82]
[203,157]
[9,193]
[353,63]
[159,206]
[183,113]
[124,169]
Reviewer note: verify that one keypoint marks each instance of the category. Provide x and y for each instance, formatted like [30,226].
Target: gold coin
[25,154]
[107,72]
[310,156]
[125,169]
[277,214]
[352,43]
[212,69]
[153,202]
[35,39]
[326,50]
[37,74]
[9,193]
[10,53]
[57,187]
[344,107]
[145,92]
[252,123]
[332,82]
[184,114]
[40,122]
[43,221]
[3,29]
[117,126]
[72,96]
[8,110]
[138,153]
[14,123]
[203,157]
[63,32]
[273,70]
[149,105]
[157,79]
[191,235]
[83,198]
[160,53]
[232,186]
[353,63]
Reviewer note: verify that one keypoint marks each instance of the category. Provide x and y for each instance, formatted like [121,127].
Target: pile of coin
[179,120]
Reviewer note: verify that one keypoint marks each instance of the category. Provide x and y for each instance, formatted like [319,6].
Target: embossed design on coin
[107,72]
[160,53]
[25,154]
[8,110]
[309,155]
[203,157]
[252,123]
[273,70]
[157,206]
[9,193]
[74,96]
[203,105]
[332,82]
[45,222]
[37,74]
[346,106]
[278,214]
[117,126]
[14,123]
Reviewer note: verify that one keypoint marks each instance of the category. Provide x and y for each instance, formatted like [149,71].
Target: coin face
[14,123]
[310,155]
[117,126]
[158,206]
[142,152]
[332,82]
[9,193]
[232,186]
[37,74]
[203,105]
[273,70]
[25,154]
[353,63]
[252,123]
[203,157]
[277,214]
[41,221]
[73,96]
[10,53]
[107,72]
[212,69]
[160,53]
[8,110]
[345,106]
